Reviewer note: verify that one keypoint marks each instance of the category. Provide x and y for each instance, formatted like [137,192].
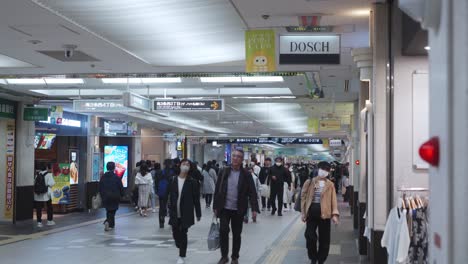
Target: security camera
[265,17]
[69,50]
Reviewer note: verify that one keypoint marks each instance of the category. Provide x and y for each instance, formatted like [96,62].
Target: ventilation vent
[78,56]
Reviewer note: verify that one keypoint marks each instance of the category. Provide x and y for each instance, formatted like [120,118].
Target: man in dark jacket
[162,186]
[278,176]
[111,190]
[234,189]
[264,174]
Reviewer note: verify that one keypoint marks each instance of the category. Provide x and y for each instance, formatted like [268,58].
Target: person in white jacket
[40,198]
[144,180]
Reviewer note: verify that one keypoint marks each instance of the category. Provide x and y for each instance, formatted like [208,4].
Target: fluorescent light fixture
[63,81]
[264,135]
[223,135]
[25,81]
[308,135]
[161,80]
[215,143]
[265,79]
[264,97]
[427,48]
[2,81]
[121,80]
[220,79]
[359,12]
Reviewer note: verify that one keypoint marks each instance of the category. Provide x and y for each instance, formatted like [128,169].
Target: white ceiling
[155,36]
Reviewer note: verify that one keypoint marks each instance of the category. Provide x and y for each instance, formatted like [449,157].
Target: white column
[25,131]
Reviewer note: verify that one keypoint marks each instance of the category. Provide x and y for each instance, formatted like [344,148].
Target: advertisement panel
[119,155]
[56,115]
[74,165]
[10,171]
[96,167]
[61,189]
[260,50]
[330,125]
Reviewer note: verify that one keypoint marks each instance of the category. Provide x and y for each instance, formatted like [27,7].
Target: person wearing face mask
[184,200]
[255,168]
[264,175]
[319,208]
[278,176]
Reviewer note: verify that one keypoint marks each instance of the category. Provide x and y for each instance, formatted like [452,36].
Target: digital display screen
[119,155]
[44,141]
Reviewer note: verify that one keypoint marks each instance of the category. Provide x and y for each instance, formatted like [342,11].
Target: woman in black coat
[184,200]
[110,189]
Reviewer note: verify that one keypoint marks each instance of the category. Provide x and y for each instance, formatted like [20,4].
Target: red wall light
[357,162]
[429,151]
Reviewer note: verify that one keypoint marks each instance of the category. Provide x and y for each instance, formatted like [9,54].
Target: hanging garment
[418,248]
[396,237]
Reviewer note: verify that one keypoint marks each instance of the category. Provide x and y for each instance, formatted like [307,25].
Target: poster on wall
[61,189]
[260,50]
[56,115]
[96,167]
[74,165]
[10,171]
[119,155]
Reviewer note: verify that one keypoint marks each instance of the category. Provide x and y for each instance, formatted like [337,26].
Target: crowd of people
[237,193]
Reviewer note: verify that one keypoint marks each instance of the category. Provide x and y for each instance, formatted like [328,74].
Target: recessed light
[161,80]
[427,48]
[121,80]
[220,79]
[25,81]
[63,81]
[262,79]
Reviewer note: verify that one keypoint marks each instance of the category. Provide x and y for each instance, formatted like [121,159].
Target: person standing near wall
[111,190]
[318,206]
[184,200]
[43,183]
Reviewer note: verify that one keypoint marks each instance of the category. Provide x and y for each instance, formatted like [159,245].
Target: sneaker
[106,227]
[223,261]
[181,260]
[39,224]
[154,210]
[50,223]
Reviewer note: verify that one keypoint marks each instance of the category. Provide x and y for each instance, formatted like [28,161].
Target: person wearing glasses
[234,189]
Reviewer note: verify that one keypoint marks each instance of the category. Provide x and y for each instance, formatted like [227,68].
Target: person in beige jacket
[319,208]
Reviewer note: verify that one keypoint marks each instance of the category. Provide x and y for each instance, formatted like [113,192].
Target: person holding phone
[319,207]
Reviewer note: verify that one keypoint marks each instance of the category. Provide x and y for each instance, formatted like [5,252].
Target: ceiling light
[121,80]
[220,79]
[2,81]
[25,81]
[427,48]
[63,81]
[223,135]
[264,135]
[360,12]
[161,80]
[262,79]
[308,135]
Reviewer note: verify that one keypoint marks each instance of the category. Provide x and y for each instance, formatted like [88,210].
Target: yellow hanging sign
[330,125]
[260,51]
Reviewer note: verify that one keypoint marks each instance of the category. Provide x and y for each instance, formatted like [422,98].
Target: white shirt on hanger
[396,236]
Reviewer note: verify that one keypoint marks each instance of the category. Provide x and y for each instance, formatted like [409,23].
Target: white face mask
[184,168]
[322,173]
[278,164]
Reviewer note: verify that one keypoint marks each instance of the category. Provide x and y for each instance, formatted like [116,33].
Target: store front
[7,159]
[63,145]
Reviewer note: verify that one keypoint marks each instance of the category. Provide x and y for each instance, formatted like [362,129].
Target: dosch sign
[310,49]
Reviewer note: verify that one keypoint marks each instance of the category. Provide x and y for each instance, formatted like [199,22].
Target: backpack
[40,186]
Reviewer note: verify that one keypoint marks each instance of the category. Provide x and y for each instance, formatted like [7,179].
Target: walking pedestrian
[184,200]
[162,183]
[318,206]
[208,185]
[43,184]
[278,176]
[144,180]
[264,175]
[234,190]
[111,190]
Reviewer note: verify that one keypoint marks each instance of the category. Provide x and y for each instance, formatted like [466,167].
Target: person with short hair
[111,190]
[318,206]
[144,180]
[263,176]
[44,197]
[278,176]
[234,189]
[184,200]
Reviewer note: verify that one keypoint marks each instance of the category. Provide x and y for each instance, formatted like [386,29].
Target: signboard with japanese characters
[187,105]
[102,106]
[10,171]
[7,109]
[269,140]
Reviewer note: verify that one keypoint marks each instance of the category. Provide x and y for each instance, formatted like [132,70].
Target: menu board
[119,155]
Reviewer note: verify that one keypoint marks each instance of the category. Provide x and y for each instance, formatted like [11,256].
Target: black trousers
[208,199]
[266,202]
[235,219]
[314,222]
[277,194]
[179,234]
[162,210]
[50,211]
[110,217]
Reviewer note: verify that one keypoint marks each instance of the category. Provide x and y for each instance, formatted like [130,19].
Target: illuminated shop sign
[311,49]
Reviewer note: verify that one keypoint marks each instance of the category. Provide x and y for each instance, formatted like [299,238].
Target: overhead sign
[9,182]
[330,125]
[268,140]
[106,106]
[316,29]
[136,101]
[186,105]
[260,50]
[35,114]
[56,115]
[336,143]
[311,49]
[7,109]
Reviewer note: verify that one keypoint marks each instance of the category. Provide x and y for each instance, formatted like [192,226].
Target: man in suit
[234,189]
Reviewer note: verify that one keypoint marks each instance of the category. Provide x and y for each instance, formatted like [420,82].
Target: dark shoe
[235,261]
[313,262]
[223,261]
[273,212]
[280,214]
